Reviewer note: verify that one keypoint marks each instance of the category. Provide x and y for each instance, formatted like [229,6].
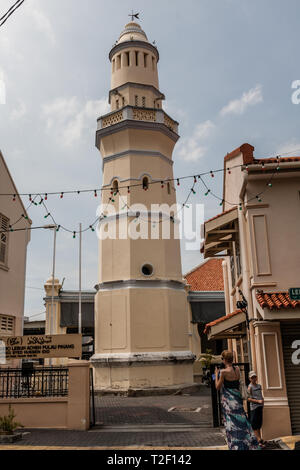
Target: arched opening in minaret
[127,59]
[115,186]
[145,59]
[119,61]
[136,58]
[145,183]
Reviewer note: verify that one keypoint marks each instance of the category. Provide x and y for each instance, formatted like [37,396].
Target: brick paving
[154,410]
[139,422]
[81,439]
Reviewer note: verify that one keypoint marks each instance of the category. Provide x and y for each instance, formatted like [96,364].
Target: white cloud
[193,148]
[43,24]
[248,98]
[2,88]
[67,118]
[289,148]
[19,111]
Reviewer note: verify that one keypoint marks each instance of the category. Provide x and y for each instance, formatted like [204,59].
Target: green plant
[7,423]
[206,358]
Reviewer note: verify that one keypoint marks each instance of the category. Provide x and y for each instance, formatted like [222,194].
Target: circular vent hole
[147,269]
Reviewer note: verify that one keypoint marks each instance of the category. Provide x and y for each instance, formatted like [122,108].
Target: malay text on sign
[42,346]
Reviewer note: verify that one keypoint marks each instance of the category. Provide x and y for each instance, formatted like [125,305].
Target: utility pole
[79,300]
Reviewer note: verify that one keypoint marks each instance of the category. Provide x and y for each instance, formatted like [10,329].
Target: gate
[216,394]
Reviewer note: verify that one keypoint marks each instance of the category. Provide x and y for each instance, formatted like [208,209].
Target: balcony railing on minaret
[137,114]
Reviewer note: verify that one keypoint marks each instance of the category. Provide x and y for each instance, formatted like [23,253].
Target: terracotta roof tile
[275,160]
[220,320]
[207,277]
[276,300]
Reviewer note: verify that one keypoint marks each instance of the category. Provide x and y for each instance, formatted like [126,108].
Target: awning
[220,232]
[230,326]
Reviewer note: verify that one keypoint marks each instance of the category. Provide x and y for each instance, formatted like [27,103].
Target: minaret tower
[141,316]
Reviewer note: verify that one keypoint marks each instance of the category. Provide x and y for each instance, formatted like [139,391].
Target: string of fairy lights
[38,199]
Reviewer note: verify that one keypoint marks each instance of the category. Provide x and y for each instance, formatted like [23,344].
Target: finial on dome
[134,15]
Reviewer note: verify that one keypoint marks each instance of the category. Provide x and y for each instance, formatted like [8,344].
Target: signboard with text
[42,346]
[294,293]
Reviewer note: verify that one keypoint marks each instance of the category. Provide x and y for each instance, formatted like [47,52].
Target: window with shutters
[7,325]
[4,226]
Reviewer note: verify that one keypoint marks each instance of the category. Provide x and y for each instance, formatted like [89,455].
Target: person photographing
[239,433]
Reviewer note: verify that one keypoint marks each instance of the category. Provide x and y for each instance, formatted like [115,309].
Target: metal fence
[31,382]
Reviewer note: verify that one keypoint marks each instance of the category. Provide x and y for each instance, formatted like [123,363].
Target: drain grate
[184,409]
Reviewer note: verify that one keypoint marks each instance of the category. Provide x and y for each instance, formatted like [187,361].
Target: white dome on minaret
[132,32]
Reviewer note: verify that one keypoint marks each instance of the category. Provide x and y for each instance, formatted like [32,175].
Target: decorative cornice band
[142,153]
[131,44]
[136,85]
[140,284]
[142,358]
[133,124]
[206,296]
[152,216]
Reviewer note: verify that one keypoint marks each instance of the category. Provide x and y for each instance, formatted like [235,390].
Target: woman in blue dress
[239,433]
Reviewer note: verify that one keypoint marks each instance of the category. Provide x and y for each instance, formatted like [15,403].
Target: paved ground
[154,410]
[160,422]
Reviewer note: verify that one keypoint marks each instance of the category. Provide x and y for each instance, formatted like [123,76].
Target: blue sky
[226,68]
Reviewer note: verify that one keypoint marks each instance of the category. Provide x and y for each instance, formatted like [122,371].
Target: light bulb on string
[212,174]
[178,182]
[58,227]
[95,193]
[92,228]
[207,192]
[46,197]
[61,195]
[74,234]
[278,161]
